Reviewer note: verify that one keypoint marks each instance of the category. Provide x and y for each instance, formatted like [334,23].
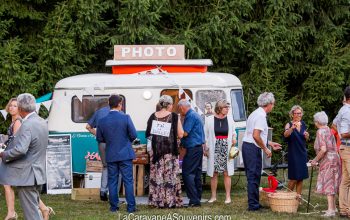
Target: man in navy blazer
[118,131]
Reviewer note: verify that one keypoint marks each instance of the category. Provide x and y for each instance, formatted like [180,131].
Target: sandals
[329,213]
[14,217]
[211,200]
[46,213]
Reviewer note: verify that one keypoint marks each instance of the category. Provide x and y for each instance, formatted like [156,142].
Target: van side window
[206,99]
[237,103]
[83,111]
[174,93]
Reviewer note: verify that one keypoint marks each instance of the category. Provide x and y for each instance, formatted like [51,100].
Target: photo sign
[161,128]
[149,52]
[59,164]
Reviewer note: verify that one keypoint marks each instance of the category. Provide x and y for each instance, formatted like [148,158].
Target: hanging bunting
[101,87]
[79,95]
[90,90]
[4,113]
[155,71]
[187,97]
[37,107]
[47,104]
[181,91]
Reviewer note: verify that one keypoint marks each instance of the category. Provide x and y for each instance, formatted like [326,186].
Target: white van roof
[112,81]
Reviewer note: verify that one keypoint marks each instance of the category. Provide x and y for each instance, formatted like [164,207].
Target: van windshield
[237,103]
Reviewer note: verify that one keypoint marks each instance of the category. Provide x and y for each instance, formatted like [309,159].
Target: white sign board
[59,164]
[161,128]
[149,52]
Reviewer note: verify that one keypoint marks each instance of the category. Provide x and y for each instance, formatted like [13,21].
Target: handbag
[234,152]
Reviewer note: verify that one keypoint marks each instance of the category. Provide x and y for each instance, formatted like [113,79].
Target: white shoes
[227,201]
[336,210]
[329,213]
[211,200]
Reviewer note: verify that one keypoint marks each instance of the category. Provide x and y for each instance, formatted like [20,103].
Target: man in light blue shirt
[343,125]
[91,127]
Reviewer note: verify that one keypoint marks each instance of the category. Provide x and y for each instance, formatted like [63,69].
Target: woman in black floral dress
[164,185]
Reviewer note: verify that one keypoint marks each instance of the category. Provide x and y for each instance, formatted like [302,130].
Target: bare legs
[44,210]
[331,202]
[298,184]
[331,206]
[10,201]
[227,182]
[214,184]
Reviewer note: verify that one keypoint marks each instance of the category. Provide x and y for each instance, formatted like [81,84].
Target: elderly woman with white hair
[255,141]
[164,128]
[329,174]
[296,136]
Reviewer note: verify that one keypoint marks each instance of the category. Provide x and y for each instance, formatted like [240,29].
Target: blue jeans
[252,166]
[125,167]
[192,173]
[104,176]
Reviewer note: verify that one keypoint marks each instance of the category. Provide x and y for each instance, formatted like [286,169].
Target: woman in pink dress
[329,175]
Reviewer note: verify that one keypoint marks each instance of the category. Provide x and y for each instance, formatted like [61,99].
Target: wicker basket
[284,202]
[264,199]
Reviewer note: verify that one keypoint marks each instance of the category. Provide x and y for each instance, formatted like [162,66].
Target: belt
[345,143]
[221,137]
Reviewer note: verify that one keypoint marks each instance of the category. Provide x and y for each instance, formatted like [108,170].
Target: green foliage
[297,49]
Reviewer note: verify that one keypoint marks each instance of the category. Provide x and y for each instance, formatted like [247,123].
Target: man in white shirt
[255,141]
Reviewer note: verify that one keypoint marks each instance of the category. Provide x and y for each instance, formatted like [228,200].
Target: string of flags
[91,91]
[46,104]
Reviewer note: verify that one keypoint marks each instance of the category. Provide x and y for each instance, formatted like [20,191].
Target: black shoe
[263,207]
[103,196]
[192,205]
[132,211]
[253,210]
[114,210]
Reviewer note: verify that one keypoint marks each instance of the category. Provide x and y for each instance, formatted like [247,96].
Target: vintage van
[141,83]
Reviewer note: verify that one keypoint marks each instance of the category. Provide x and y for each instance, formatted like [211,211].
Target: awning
[44,98]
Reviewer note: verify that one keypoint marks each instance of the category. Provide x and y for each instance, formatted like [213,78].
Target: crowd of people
[167,132]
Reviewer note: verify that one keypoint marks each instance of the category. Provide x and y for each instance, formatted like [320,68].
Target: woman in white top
[220,136]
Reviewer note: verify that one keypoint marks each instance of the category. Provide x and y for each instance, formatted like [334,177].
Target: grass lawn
[66,208]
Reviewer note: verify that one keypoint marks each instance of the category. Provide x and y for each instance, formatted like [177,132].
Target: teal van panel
[141,136]
[84,146]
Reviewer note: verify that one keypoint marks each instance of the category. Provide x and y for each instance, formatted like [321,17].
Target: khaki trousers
[344,196]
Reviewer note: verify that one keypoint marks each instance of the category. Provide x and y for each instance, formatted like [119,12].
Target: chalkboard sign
[59,164]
